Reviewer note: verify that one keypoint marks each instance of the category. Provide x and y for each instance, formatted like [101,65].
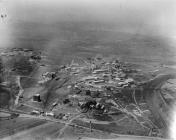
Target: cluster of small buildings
[96,77]
[61,116]
[112,73]
[47,76]
[93,79]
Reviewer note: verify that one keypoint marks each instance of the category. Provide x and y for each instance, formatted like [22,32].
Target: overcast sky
[150,16]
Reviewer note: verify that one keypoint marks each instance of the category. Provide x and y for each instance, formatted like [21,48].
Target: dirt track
[154,84]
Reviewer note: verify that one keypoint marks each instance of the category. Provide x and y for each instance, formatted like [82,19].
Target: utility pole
[90,125]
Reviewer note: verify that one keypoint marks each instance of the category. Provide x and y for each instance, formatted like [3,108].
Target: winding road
[155,100]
